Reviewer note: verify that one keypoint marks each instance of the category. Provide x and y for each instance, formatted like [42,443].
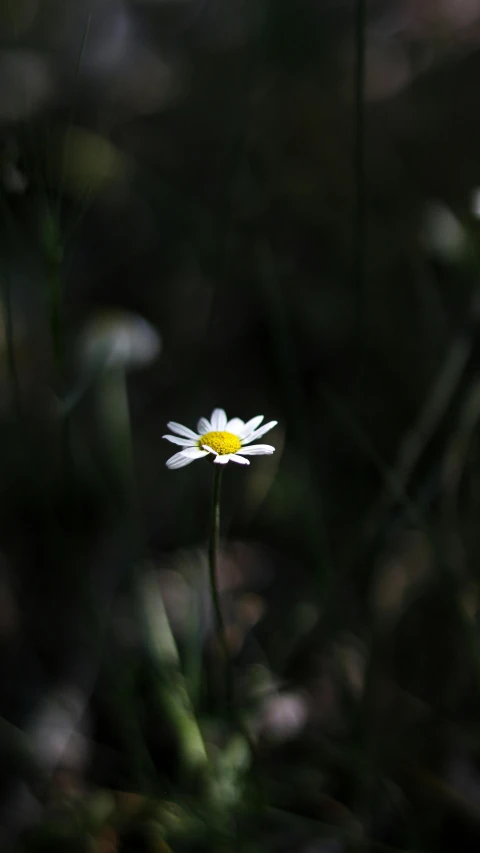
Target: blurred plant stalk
[113,415]
[113,344]
[171,689]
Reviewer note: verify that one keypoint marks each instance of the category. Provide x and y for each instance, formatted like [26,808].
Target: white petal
[235,458]
[185,457]
[194,452]
[222,459]
[256,450]
[185,442]
[251,425]
[179,460]
[218,420]
[182,430]
[259,432]
[235,426]
[209,449]
[204,426]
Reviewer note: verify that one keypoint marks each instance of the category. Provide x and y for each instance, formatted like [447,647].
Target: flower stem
[212,560]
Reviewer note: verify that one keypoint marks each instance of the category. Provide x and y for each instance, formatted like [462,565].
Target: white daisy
[223,439]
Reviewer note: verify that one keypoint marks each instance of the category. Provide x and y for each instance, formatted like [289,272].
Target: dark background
[287,193]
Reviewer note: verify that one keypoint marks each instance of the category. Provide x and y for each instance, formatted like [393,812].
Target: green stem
[171,689]
[212,560]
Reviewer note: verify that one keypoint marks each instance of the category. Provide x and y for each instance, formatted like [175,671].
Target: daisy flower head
[219,439]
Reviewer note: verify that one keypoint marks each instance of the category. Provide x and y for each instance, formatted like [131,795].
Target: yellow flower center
[221,442]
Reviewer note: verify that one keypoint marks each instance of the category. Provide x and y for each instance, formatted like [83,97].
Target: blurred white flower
[14,181]
[475,202]
[223,439]
[119,339]
[443,233]
[285,716]
[57,731]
